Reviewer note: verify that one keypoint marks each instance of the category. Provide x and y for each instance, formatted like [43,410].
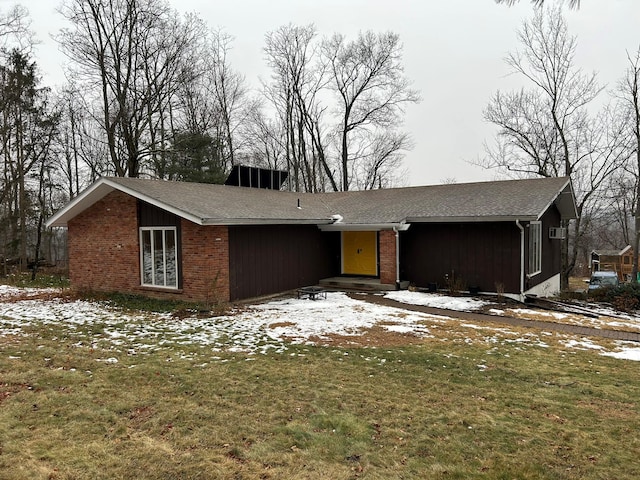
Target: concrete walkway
[518,322]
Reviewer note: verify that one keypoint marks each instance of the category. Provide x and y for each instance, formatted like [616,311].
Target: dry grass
[454,405]
[578,284]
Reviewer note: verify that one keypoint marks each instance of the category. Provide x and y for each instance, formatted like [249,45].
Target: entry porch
[367,284]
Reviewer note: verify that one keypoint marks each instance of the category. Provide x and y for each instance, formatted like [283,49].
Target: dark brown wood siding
[152,216]
[271,259]
[551,248]
[479,254]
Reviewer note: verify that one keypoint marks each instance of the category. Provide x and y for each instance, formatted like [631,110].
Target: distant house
[619,261]
[219,242]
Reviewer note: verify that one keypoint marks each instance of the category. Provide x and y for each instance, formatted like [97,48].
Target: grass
[46,278]
[132,302]
[437,409]
[451,406]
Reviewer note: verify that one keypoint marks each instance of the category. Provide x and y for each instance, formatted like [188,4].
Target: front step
[356,284]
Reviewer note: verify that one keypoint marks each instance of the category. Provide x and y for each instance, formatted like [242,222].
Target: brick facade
[104,253]
[205,264]
[387,245]
[103,245]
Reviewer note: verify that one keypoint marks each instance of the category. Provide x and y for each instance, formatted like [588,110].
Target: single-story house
[619,261]
[208,242]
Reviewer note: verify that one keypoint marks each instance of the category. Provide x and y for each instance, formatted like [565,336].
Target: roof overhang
[262,221]
[474,219]
[96,192]
[565,201]
[103,186]
[364,227]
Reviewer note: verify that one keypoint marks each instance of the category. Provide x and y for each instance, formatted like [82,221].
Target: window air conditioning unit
[557,233]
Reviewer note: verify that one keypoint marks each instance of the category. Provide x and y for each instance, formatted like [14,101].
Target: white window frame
[165,231]
[535,248]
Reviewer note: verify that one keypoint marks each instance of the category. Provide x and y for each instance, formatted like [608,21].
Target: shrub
[625,297]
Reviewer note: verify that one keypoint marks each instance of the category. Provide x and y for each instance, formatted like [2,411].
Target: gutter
[522,273]
[396,230]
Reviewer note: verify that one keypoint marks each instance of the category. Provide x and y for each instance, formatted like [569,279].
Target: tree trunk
[41,215]
[636,230]
[345,157]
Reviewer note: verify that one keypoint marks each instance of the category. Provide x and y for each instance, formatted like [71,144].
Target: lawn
[124,396]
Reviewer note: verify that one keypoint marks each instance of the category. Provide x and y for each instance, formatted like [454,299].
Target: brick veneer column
[205,262]
[387,241]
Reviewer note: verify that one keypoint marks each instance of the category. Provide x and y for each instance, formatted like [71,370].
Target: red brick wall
[387,242]
[205,262]
[104,254]
[103,245]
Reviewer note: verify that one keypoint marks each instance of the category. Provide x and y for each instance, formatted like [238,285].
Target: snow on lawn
[626,352]
[258,328]
[527,312]
[461,304]
[7,291]
[610,318]
[336,315]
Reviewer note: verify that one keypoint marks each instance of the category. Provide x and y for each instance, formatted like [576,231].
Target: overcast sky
[453,52]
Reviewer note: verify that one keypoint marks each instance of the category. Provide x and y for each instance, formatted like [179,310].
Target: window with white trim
[159,257]
[535,248]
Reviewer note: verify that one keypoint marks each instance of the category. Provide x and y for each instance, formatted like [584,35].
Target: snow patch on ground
[583,344]
[7,292]
[538,313]
[338,314]
[625,354]
[461,304]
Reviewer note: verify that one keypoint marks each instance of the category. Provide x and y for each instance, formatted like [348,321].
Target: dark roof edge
[263,221]
[567,208]
[473,219]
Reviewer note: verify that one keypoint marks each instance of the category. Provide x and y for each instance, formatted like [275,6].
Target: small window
[627,260]
[535,248]
[158,257]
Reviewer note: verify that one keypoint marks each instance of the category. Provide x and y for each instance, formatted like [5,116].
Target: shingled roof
[207,204]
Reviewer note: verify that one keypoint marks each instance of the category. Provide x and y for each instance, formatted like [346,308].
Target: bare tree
[368,77]
[15,30]
[298,77]
[381,165]
[265,140]
[540,3]
[628,93]
[228,88]
[133,54]
[78,161]
[547,130]
[618,207]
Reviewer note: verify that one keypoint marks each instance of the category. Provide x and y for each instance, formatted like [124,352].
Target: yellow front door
[360,253]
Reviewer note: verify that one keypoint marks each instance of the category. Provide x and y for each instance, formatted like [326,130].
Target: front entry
[360,253]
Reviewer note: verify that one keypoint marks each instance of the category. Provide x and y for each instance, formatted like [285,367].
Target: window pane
[158,257]
[171,263]
[535,248]
[147,263]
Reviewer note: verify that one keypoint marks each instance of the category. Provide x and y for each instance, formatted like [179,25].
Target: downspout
[397,232]
[521,259]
